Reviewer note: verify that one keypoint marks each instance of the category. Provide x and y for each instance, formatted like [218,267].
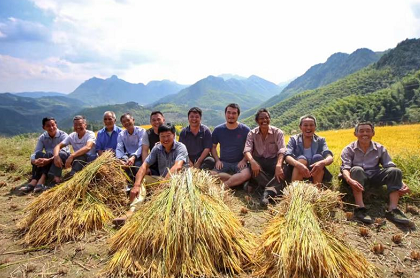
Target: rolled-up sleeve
[182,153]
[119,151]
[386,160]
[324,149]
[347,156]
[290,148]
[249,143]
[39,146]
[152,157]
[280,143]
[140,143]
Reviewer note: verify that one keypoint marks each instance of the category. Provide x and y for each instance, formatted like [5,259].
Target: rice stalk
[184,231]
[298,243]
[77,207]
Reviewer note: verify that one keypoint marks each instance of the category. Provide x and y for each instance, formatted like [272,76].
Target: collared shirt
[130,144]
[167,160]
[295,147]
[196,143]
[232,142]
[352,155]
[104,141]
[270,147]
[78,143]
[45,142]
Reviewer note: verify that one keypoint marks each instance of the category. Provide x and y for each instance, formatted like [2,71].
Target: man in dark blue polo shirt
[197,138]
[107,136]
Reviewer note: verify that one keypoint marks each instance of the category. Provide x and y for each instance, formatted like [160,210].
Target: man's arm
[353,183]
[100,152]
[175,168]
[203,155]
[317,166]
[215,155]
[82,151]
[57,159]
[138,180]
[279,174]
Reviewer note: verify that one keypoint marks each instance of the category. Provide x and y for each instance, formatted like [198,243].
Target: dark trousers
[49,169]
[266,178]
[80,161]
[208,163]
[391,176]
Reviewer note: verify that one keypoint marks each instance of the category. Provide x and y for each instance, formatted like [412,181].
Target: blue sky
[55,45]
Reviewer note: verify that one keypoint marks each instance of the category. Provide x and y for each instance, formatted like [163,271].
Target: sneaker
[398,217]
[27,188]
[361,215]
[39,188]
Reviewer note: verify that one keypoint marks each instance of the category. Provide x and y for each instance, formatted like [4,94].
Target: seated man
[83,143]
[106,139]
[170,155]
[231,167]
[151,137]
[264,149]
[307,154]
[197,138]
[42,162]
[129,145]
[361,162]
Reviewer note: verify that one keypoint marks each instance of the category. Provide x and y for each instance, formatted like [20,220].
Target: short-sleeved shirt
[232,142]
[78,143]
[150,138]
[167,160]
[295,147]
[272,146]
[130,144]
[196,143]
[45,142]
[104,141]
[352,155]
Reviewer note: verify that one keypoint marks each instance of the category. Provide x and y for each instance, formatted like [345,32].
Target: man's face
[308,127]
[263,120]
[157,120]
[364,133]
[50,127]
[194,119]
[127,122]
[166,138]
[109,121]
[231,115]
[79,126]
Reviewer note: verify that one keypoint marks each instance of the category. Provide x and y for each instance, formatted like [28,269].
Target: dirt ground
[88,257]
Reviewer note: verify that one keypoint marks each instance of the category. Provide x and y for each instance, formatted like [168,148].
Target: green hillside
[386,92]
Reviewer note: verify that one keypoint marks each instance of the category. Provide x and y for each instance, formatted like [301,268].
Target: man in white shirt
[83,143]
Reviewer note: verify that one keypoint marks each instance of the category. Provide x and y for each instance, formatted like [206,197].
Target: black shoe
[397,216]
[267,196]
[361,215]
[27,188]
[39,188]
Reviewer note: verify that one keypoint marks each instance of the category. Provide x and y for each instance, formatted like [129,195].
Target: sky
[55,45]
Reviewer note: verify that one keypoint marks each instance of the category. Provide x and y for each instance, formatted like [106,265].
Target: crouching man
[361,162]
[42,158]
[170,156]
[83,143]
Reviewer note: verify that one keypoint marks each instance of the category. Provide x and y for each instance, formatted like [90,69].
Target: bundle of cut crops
[298,241]
[79,206]
[184,231]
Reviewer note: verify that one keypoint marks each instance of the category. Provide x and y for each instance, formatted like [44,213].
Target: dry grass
[184,231]
[297,242]
[81,205]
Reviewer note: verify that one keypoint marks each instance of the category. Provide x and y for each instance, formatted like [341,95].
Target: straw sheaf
[298,243]
[185,231]
[79,206]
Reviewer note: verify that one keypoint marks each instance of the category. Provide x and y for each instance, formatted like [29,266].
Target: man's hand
[69,161]
[303,170]
[134,192]
[131,160]
[242,164]
[255,167]
[317,166]
[58,162]
[404,189]
[190,163]
[355,185]
[197,164]
[40,162]
[279,174]
[219,165]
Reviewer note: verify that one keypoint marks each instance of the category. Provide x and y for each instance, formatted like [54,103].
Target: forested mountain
[215,92]
[113,90]
[337,66]
[40,94]
[387,91]
[24,115]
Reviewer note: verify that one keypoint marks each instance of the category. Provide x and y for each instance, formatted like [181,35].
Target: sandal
[39,188]
[27,188]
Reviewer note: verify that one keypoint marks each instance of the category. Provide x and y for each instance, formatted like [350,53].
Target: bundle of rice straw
[298,243]
[81,205]
[184,231]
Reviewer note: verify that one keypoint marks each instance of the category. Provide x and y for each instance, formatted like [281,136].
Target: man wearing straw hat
[264,149]
[170,156]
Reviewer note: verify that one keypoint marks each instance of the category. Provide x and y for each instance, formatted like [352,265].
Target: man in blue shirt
[231,166]
[170,155]
[106,139]
[129,144]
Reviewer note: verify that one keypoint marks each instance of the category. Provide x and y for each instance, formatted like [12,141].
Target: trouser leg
[391,176]
[56,171]
[357,173]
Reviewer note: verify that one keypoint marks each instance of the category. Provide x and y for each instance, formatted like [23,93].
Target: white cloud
[187,40]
